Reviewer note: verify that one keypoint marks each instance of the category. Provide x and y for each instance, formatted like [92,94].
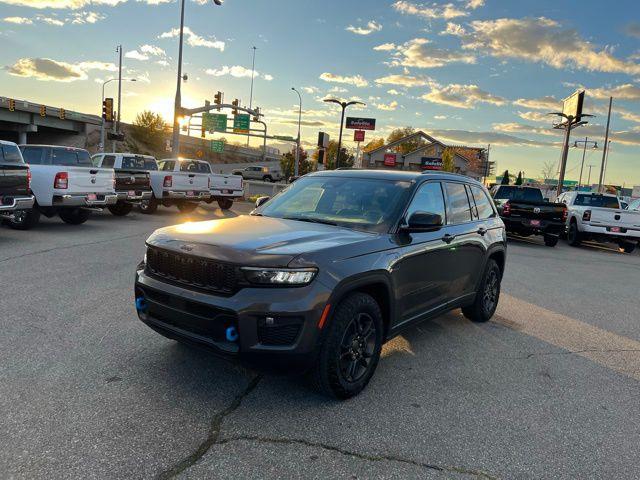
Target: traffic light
[62,114]
[256,117]
[107,110]
[12,105]
[203,134]
[236,104]
[218,98]
[43,110]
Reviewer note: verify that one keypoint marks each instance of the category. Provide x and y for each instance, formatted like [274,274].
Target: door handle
[482,231]
[448,238]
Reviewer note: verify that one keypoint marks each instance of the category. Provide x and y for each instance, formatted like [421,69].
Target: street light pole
[605,150]
[119,50]
[103,124]
[297,165]
[177,107]
[344,106]
[584,152]
[253,72]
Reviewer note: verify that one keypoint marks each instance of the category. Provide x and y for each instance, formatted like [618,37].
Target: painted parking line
[608,349]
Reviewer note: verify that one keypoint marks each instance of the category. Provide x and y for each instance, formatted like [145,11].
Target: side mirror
[261,201]
[423,221]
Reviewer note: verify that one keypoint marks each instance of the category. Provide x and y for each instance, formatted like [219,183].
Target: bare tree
[548,170]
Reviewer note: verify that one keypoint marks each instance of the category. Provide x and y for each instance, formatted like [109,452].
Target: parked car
[64,183]
[133,180]
[525,212]
[317,278]
[599,217]
[178,181]
[224,188]
[258,172]
[15,178]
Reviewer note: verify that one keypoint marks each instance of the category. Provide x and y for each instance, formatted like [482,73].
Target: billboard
[390,159]
[361,123]
[572,105]
[431,163]
[358,136]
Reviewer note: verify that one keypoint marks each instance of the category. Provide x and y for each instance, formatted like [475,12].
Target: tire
[149,207]
[187,207]
[550,240]
[74,216]
[225,203]
[343,366]
[573,236]
[627,247]
[120,209]
[24,219]
[267,178]
[487,296]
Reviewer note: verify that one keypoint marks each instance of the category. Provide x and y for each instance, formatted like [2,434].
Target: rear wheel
[550,240]
[187,207]
[627,247]
[225,203]
[24,219]
[350,347]
[267,178]
[487,296]
[74,216]
[150,206]
[574,237]
[120,209]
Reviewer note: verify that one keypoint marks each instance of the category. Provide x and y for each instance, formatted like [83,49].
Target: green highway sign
[241,123]
[285,138]
[217,146]
[214,122]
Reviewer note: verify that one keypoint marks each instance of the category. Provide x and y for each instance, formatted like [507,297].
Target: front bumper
[16,203]
[84,200]
[177,195]
[131,196]
[545,227]
[277,327]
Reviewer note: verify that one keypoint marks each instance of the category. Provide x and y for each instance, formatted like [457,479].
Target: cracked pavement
[547,390]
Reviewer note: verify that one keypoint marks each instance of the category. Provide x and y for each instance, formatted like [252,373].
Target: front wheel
[74,216]
[120,209]
[350,347]
[550,240]
[225,203]
[267,178]
[150,206]
[187,207]
[487,296]
[24,219]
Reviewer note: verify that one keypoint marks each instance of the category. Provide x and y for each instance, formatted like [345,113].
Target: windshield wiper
[312,220]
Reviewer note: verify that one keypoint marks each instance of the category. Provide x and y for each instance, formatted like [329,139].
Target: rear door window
[458,203]
[10,154]
[35,155]
[109,161]
[484,207]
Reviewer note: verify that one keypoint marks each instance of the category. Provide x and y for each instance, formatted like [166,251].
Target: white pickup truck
[178,181]
[64,183]
[225,188]
[600,217]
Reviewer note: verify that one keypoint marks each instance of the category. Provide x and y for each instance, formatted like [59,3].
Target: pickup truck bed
[15,194]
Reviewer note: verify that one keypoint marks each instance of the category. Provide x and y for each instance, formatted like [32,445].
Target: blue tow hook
[232,334]
[141,304]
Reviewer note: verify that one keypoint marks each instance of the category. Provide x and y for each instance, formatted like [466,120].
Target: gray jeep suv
[317,278]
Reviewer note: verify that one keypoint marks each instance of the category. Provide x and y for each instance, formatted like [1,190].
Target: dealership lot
[548,389]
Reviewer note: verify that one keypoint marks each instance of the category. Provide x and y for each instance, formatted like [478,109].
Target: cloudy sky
[472,72]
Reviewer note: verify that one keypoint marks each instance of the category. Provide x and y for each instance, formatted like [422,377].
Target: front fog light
[269,276]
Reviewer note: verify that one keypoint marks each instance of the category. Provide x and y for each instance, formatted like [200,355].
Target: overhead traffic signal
[12,105]
[62,114]
[236,104]
[218,98]
[256,116]
[43,110]
[107,110]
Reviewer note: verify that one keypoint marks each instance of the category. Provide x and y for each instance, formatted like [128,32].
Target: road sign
[390,159]
[572,105]
[361,123]
[217,146]
[214,122]
[241,123]
[285,138]
[323,139]
[358,136]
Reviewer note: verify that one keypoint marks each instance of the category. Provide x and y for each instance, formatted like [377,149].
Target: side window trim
[446,199]
[415,193]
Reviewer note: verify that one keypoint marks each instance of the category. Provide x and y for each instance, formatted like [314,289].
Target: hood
[254,240]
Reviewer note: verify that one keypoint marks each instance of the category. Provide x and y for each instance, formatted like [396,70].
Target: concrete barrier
[263,189]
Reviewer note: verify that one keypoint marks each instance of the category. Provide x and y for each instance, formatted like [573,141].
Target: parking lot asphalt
[548,389]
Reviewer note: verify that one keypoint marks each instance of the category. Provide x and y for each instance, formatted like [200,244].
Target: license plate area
[190,193]
[535,223]
[615,229]
[92,197]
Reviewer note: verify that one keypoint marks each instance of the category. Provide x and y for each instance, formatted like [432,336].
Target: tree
[287,163]
[406,147]
[346,158]
[373,144]
[505,178]
[448,162]
[150,128]
[548,171]
[519,179]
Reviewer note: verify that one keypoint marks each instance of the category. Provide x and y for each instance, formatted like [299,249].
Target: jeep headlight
[279,276]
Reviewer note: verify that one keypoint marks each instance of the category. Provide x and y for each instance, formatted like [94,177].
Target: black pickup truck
[15,194]
[525,212]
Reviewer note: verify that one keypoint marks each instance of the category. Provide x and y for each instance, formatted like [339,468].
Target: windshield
[515,193]
[597,201]
[10,154]
[360,203]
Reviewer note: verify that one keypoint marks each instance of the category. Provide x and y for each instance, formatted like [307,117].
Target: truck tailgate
[13,179]
[611,217]
[226,183]
[132,180]
[89,180]
[533,210]
[184,182]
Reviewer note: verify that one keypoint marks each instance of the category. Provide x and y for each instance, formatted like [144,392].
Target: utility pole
[253,72]
[606,163]
[584,152]
[296,168]
[605,150]
[117,125]
[589,179]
